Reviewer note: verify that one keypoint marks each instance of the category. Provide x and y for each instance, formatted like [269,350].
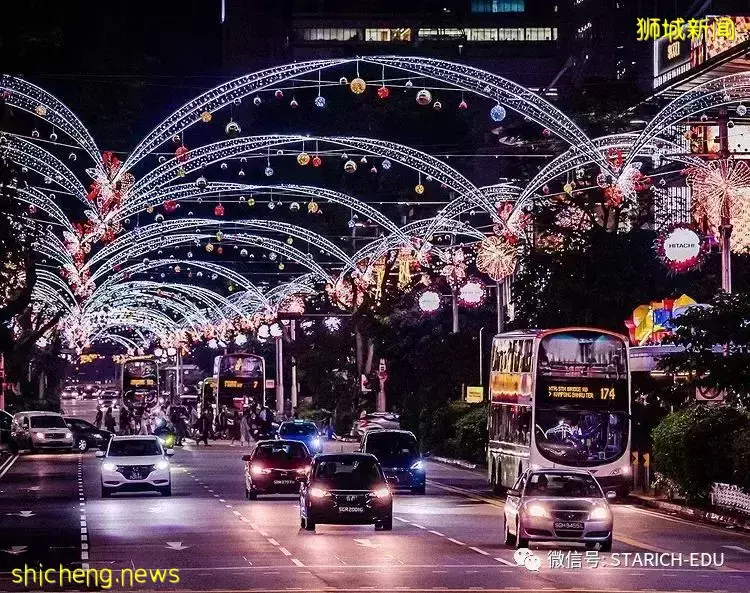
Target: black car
[86,435]
[398,454]
[6,420]
[276,467]
[346,489]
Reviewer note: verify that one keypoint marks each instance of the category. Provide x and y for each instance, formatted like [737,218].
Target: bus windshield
[582,401]
[140,383]
[239,379]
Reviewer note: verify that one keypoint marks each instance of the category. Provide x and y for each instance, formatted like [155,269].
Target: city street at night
[449,539]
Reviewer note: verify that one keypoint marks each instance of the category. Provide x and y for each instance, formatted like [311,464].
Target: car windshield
[280,451]
[563,485]
[305,429]
[134,448]
[47,422]
[348,474]
[391,444]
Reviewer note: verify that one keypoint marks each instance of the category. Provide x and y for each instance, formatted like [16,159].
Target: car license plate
[136,476]
[568,525]
[351,510]
[283,482]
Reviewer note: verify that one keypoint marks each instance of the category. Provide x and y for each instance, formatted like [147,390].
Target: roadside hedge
[702,444]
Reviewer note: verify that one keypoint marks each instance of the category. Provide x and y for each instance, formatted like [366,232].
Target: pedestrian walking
[233,426]
[99,417]
[245,428]
[109,421]
[204,427]
[124,421]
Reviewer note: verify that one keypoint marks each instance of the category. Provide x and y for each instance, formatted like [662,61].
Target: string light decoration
[472,293]
[429,300]
[723,187]
[497,256]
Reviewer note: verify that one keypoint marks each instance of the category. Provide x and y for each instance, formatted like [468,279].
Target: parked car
[6,421]
[87,436]
[398,454]
[36,431]
[558,505]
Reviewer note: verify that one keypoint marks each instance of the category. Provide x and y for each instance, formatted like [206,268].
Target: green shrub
[470,440]
[694,447]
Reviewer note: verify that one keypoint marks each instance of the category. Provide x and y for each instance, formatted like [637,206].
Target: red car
[276,467]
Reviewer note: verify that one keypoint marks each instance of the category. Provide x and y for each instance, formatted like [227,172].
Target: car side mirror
[392,480]
[427,454]
[169,452]
[514,492]
[247,458]
[99,453]
[611,494]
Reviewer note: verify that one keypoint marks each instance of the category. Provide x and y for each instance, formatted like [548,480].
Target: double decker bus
[140,383]
[559,399]
[239,379]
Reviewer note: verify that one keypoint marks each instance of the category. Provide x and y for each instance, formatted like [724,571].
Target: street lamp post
[279,375]
[726,218]
[293,335]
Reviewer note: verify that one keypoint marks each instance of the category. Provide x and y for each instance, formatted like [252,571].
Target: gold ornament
[496,257]
[206,117]
[358,86]
[40,110]
[303,158]
[419,188]
[209,247]
[312,207]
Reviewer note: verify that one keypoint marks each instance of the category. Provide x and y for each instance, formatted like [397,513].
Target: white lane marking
[418,526]
[229,506]
[479,551]
[222,500]
[176,546]
[402,520]
[7,465]
[285,551]
[504,561]
[263,533]
[296,562]
[273,542]
[455,541]
[737,548]
[236,513]
[437,533]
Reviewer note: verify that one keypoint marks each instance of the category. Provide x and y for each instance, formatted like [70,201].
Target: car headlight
[258,470]
[381,493]
[316,443]
[536,510]
[319,493]
[68,435]
[418,465]
[303,470]
[40,435]
[163,464]
[599,513]
[109,466]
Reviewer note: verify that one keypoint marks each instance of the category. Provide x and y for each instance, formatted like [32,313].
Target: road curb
[457,462]
[693,514]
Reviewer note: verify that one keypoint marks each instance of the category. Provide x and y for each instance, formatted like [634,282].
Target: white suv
[38,431]
[135,463]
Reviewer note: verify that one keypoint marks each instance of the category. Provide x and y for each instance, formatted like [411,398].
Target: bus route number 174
[607,393]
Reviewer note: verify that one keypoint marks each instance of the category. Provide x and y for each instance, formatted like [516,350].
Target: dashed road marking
[437,533]
[479,551]
[455,541]
[297,562]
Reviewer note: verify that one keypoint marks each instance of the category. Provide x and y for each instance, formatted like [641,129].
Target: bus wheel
[510,539]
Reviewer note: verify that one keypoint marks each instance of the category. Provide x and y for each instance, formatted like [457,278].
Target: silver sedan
[558,505]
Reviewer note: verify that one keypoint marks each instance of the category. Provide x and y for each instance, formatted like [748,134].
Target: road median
[692,513]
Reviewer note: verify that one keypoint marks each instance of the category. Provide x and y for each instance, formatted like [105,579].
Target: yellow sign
[653,29]
[231,384]
[474,395]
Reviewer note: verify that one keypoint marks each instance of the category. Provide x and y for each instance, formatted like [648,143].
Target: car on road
[398,454]
[87,436]
[276,467]
[303,431]
[69,393]
[346,489]
[38,431]
[135,463]
[109,398]
[558,505]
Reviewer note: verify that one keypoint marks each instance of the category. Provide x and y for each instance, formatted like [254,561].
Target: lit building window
[387,34]
[492,34]
[481,34]
[328,34]
[441,33]
[497,5]
[510,34]
[541,33]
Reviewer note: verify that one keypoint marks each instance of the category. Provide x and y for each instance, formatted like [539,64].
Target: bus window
[526,355]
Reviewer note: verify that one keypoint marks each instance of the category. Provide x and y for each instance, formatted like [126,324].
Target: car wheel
[166,490]
[521,542]
[82,446]
[301,522]
[510,539]
[309,524]
[385,524]
[606,545]
[419,489]
[251,495]
[106,492]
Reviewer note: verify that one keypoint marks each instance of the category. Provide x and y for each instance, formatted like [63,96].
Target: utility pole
[279,376]
[726,218]
[499,305]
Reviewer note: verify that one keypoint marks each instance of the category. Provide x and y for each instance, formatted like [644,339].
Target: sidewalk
[716,517]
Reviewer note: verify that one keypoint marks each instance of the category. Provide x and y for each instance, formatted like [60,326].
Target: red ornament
[546,132]
[463,104]
[384,92]
[219,250]
[317,161]
[170,206]
[279,94]
[219,210]
[181,154]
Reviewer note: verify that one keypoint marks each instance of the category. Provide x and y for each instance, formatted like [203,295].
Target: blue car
[398,454]
[302,431]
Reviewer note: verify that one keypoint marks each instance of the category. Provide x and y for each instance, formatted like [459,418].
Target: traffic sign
[474,394]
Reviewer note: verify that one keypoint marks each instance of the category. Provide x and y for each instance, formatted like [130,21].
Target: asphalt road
[450,539]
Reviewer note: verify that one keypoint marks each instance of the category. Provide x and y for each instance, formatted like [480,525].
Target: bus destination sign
[587,391]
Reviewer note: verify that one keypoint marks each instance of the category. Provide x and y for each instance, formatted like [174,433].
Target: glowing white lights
[429,300]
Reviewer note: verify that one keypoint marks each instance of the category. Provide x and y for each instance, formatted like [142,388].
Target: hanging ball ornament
[437,105]
[159,218]
[281,266]
[386,164]
[224,166]
[741,110]
[219,250]
[243,252]
[730,124]
[463,105]
[373,169]
[268,171]
[209,247]
[176,139]
[419,188]
[206,117]
[350,166]
[546,133]
[40,110]
[384,92]
[317,161]
[35,133]
[320,101]
[409,84]
[53,137]
[312,207]
[704,117]
[251,202]
[201,182]
[294,206]
[232,129]
[497,113]
[72,156]
[279,94]
[424,97]
[219,210]
[219,235]
[150,210]
[271,205]
[343,80]
[303,158]
[257,100]
[358,86]
[293,103]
